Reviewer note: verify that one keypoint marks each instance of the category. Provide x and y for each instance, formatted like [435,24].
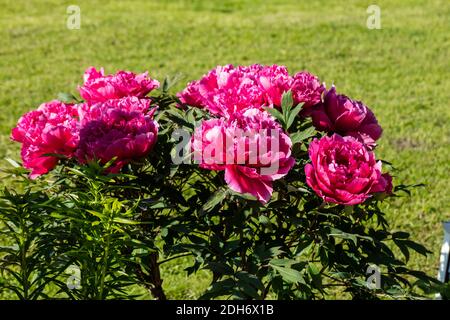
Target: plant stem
[104,266]
[23,252]
[174,257]
[156,288]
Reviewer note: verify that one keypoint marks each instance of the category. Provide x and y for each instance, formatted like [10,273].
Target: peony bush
[269,181]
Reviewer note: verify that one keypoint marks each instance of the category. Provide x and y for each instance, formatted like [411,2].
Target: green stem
[104,266]
[23,253]
[175,257]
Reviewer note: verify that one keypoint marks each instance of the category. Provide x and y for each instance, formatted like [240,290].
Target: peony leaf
[178,117]
[336,233]
[245,196]
[286,102]
[169,82]
[300,136]
[292,115]
[276,114]
[288,274]
[67,97]
[214,200]
[13,163]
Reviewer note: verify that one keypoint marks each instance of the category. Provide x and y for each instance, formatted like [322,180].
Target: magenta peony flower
[274,81]
[342,115]
[121,128]
[98,88]
[51,129]
[211,134]
[250,147]
[226,90]
[389,186]
[306,88]
[343,171]
[384,184]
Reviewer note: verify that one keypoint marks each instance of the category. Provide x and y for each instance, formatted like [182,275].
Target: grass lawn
[401,71]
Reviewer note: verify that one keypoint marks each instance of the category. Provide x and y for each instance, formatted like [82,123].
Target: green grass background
[400,71]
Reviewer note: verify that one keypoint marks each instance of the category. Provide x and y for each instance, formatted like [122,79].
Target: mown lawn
[400,71]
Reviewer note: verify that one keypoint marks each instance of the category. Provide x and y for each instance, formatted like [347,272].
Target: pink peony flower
[98,88]
[342,115]
[274,81]
[209,144]
[384,184]
[306,88]
[226,90]
[51,129]
[250,147]
[121,129]
[389,186]
[343,170]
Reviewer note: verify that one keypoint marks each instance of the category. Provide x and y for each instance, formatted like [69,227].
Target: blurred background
[401,71]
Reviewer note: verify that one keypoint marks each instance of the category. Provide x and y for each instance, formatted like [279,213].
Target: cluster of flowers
[226,89]
[343,169]
[115,121]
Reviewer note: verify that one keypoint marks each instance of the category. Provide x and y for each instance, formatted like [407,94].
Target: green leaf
[67,97]
[13,163]
[97,214]
[264,220]
[292,115]
[300,136]
[250,278]
[286,102]
[276,114]
[403,249]
[416,247]
[56,155]
[220,268]
[126,221]
[288,274]
[343,235]
[169,82]
[178,117]
[218,288]
[313,270]
[246,196]
[400,235]
[214,200]
[282,262]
